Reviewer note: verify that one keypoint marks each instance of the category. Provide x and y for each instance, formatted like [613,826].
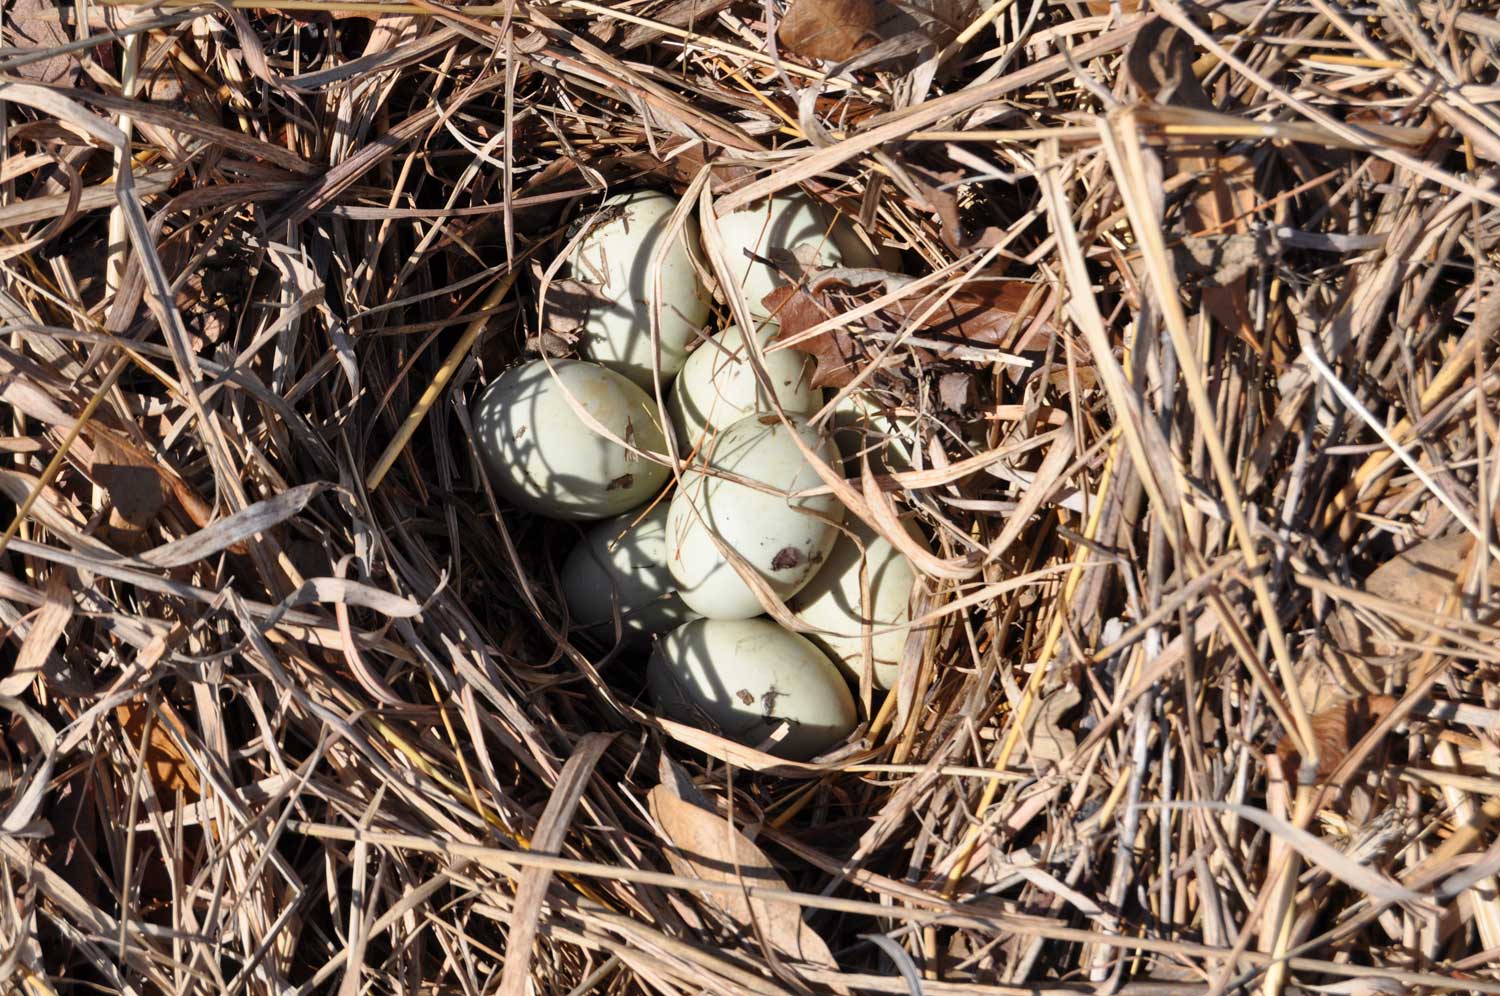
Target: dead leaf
[568,304]
[1049,741]
[1336,730]
[134,484]
[1100,8]
[989,313]
[34,25]
[124,452]
[1219,260]
[707,846]
[167,766]
[958,207]
[956,391]
[836,353]
[1161,63]
[996,315]
[1420,578]
[839,30]
[829,29]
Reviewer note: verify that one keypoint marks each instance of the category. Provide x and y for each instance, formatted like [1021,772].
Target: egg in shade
[833,605]
[544,458]
[626,560]
[743,678]
[783,539]
[857,254]
[717,386]
[790,232]
[862,428]
[615,257]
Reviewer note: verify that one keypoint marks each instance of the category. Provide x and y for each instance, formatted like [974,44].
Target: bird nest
[1189,314]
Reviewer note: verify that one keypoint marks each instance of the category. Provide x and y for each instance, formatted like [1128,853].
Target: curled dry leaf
[1160,62]
[569,302]
[119,460]
[1049,740]
[707,846]
[134,485]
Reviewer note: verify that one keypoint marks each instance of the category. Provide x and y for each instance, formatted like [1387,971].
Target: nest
[1194,334]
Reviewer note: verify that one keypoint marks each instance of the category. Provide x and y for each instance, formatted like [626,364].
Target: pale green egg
[624,561]
[833,604]
[542,456]
[616,257]
[743,679]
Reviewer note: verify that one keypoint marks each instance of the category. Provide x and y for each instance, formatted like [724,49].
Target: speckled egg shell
[743,678]
[542,456]
[784,540]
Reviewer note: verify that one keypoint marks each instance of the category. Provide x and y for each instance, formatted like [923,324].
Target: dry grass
[288,717]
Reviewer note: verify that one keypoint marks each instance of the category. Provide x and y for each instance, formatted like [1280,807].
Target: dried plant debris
[971,329]
[1167,333]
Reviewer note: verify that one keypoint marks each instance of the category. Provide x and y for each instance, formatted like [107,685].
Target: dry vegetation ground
[270,729]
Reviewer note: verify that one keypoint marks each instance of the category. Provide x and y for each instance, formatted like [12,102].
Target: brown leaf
[1336,730]
[1050,741]
[1160,62]
[829,29]
[567,307]
[1419,578]
[956,391]
[1100,8]
[166,765]
[134,484]
[986,313]
[961,229]
[118,451]
[708,847]
[836,352]
[34,25]
[991,314]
